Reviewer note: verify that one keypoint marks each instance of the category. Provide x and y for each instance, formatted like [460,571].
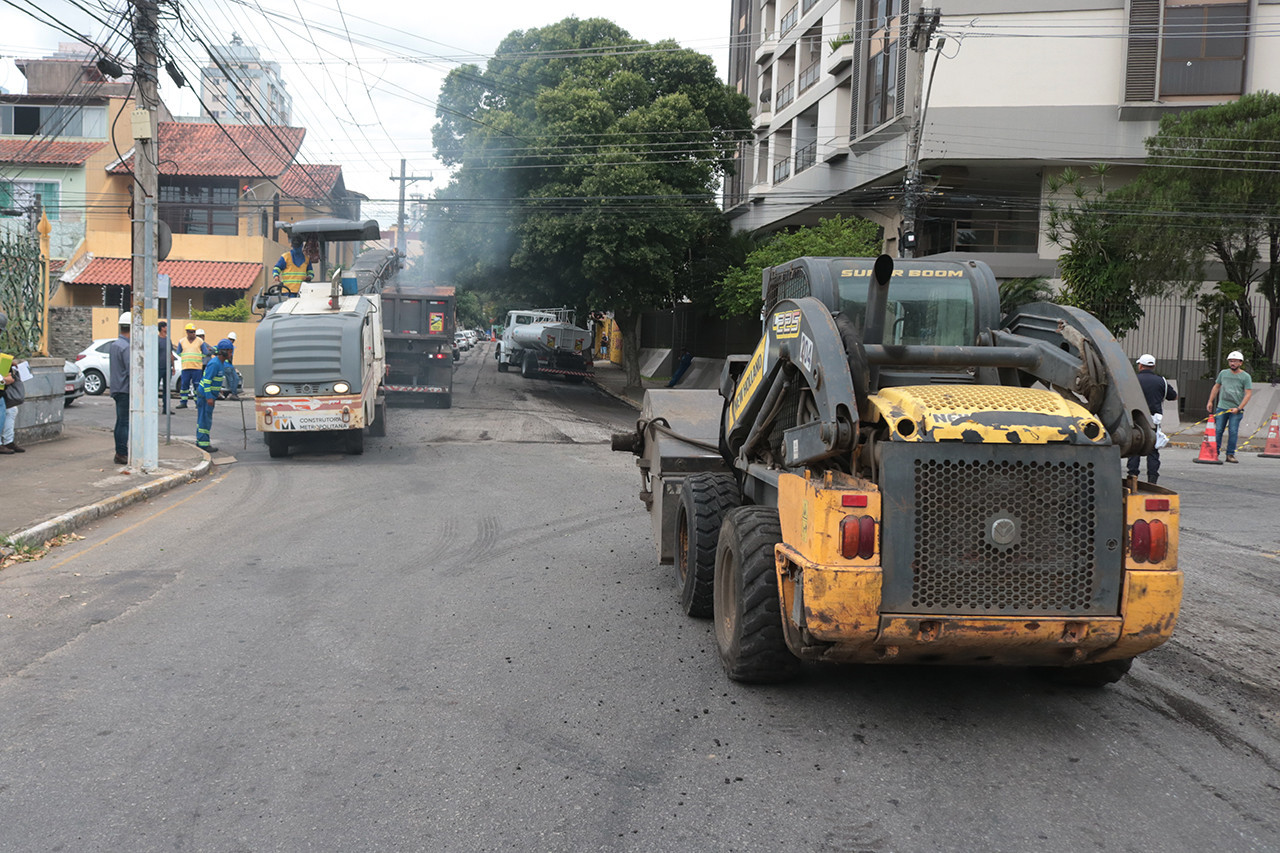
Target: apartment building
[991,98]
[239,87]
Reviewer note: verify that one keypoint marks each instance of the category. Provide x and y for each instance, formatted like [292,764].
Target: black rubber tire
[354,441]
[502,366]
[378,428]
[529,366]
[1089,674]
[748,616]
[446,401]
[277,445]
[704,500]
[94,383]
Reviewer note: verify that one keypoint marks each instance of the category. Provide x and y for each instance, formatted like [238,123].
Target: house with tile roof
[224,189]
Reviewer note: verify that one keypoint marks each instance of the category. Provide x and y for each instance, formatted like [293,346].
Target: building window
[21,195]
[880,101]
[53,121]
[1179,49]
[193,207]
[1203,50]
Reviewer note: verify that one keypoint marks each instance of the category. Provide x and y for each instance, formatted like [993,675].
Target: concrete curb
[69,521]
[621,398]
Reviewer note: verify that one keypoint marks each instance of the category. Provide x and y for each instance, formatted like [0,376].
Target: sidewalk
[59,485]
[611,379]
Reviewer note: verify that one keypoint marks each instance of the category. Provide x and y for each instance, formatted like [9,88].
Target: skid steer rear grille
[1002,530]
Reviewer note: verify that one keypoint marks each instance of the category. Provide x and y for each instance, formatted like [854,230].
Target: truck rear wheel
[277,445]
[748,616]
[355,441]
[379,426]
[529,366]
[502,365]
[704,500]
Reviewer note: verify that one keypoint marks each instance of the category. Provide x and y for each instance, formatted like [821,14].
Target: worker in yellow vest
[190,358]
[293,268]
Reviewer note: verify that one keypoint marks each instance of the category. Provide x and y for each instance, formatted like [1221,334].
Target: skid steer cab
[899,474]
[319,359]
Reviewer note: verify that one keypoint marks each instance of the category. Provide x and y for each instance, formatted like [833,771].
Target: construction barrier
[1209,447]
[1272,450]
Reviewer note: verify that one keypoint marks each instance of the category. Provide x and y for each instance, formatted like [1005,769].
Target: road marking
[138,524]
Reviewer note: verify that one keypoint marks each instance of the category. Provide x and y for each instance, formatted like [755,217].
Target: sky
[364,77]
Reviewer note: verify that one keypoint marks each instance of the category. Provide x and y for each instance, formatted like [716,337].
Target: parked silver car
[74,380]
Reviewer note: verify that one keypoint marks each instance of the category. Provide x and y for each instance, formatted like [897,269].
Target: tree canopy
[586,166]
[739,293]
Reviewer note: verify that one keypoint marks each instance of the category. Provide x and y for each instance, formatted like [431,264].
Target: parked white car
[94,363]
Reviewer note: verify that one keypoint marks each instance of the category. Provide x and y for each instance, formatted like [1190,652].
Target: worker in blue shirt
[207,393]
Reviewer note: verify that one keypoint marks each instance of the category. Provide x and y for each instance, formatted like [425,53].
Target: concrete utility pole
[922,29]
[404,181]
[143,379]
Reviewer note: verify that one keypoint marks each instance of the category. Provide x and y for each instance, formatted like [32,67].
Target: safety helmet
[190,327]
[1147,360]
[226,344]
[231,336]
[126,319]
[1235,355]
[199,333]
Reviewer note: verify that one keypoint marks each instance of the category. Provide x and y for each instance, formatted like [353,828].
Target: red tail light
[80,356]
[1149,541]
[858,537]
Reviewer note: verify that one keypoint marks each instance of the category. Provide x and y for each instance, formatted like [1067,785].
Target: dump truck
[545,342]
[418,327]
[318,356]
[899,474]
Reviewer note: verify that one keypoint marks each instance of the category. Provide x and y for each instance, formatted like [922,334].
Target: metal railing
[782,170]
[805,156]
[789,20]
[807,5]
[810,75]
[786,95]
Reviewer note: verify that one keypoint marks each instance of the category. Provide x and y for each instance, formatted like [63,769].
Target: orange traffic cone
[1209,447]
[1272,450]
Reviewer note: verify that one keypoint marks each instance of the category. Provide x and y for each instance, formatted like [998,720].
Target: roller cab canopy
[333,230]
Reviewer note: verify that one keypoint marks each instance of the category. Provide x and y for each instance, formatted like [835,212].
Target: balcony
[786,95]
[768,45]
[809,76]
[840,57]
[763,118]
[789,20]
[807,5]
[782,170]
[805,156]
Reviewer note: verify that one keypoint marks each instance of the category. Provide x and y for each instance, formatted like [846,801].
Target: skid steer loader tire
[747,613]
[704,500]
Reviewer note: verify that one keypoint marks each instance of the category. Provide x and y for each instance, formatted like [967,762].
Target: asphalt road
[461,641]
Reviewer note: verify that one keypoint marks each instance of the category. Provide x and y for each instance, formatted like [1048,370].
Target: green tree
[831,238]
[1211,191]
[236,312]
[586,166]
[1098,264]
[1016,292]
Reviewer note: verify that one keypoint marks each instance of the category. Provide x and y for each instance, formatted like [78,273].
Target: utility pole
[922,29]
[404,181]
[143,379]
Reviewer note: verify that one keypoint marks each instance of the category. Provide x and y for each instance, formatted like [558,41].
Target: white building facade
[239,87]
[1003,94]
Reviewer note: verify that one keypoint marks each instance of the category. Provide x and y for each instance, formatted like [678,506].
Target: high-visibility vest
[293,275]
[211,382]
[189,355]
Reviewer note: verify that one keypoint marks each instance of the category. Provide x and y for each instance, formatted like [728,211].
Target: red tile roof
[197,149]
[218,275]
[305,180]
[46,152]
